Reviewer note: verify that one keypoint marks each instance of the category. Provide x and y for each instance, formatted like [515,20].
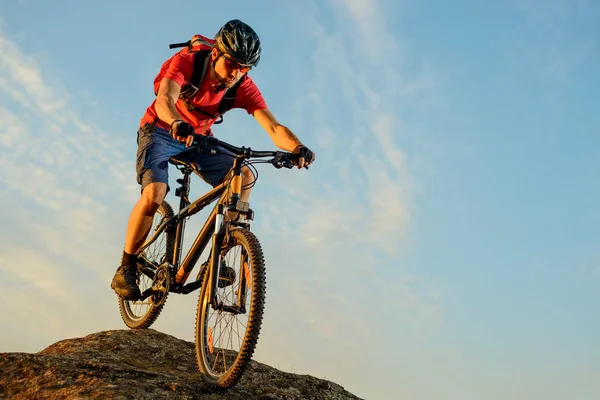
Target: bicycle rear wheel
[226,335]
[142,314]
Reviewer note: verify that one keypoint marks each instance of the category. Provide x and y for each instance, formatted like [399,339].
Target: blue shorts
[157,146]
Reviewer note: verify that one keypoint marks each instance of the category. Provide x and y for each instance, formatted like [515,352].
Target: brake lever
[284,160]
[206,144]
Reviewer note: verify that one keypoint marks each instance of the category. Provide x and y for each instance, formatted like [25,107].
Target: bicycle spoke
[234,333]
[141,314]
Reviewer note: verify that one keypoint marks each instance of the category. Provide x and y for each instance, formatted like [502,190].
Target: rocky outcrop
[142,364]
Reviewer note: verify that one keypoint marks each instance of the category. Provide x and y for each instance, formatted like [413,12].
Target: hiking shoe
[124,283]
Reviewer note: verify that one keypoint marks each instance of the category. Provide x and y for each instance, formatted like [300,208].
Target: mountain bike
[231,280]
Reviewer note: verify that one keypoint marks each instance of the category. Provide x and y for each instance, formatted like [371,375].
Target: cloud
[48,139]
[340,228]
[334,235]
[59,175]
[362,158]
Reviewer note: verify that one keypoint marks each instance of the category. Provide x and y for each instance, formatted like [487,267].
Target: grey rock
[142,364]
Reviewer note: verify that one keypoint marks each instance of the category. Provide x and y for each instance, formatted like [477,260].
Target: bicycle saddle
[185,163]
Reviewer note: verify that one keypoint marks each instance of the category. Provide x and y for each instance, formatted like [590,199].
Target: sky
[444,244]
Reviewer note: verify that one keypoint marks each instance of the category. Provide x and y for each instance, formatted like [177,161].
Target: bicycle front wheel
[227,329]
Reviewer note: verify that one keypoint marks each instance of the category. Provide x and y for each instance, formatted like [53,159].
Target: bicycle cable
[252,169]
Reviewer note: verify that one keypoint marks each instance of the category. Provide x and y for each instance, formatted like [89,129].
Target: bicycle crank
[160,286]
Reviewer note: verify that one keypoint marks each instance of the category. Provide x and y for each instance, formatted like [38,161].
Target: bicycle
[229,288]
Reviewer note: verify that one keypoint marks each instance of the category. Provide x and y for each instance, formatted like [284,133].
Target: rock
[142,364]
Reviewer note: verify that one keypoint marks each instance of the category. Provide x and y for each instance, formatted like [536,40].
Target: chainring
[160,285]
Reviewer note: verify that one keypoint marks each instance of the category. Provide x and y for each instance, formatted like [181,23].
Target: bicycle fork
[215,253]
[233,203]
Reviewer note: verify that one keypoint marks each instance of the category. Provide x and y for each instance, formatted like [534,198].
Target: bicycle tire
[254,268]
[129,309]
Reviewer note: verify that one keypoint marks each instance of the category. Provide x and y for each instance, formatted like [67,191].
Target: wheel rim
[155,252]
[225,330]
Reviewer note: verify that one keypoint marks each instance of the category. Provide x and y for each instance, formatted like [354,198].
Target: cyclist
[168,122]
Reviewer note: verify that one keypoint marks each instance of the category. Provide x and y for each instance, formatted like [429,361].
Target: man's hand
[182,131]
[306,156]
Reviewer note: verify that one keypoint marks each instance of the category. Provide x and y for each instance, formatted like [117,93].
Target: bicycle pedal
[176,288]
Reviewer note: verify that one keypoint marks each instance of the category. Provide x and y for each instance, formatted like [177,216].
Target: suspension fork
[235,188]
[244,278]
[215,254]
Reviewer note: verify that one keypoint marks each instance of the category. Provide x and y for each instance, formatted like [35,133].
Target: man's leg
[154,149]
[140,222]
[247,179]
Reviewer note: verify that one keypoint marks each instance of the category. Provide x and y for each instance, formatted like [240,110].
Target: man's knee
[153,196]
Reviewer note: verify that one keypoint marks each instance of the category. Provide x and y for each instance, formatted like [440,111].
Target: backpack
[200,46]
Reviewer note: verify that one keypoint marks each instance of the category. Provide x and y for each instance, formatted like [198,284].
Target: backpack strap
[187,44]
[226,103]
[194,41]
[201,59]
[188,90]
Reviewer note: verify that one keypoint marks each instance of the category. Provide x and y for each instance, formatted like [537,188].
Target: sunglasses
[230,64]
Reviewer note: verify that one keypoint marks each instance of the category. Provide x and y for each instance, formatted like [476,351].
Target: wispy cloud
[49,139]
[367,169]
[58,173]
[341,228]
[333,238]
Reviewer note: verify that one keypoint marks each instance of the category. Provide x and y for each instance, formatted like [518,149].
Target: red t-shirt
[180,70]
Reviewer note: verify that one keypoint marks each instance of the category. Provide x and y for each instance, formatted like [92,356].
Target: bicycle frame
[226,293]
[214,228]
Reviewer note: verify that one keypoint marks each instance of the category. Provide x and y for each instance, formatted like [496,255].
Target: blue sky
[443,246]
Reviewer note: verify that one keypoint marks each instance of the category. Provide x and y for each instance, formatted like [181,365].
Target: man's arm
[167,96]
[282,137]
[168,93]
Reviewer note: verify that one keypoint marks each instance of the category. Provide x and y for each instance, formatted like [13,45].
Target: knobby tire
[232,370]
[128,309]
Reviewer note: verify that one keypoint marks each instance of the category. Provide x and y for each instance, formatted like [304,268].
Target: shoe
[124,283]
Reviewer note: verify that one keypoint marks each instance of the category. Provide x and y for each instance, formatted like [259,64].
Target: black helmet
[240,42]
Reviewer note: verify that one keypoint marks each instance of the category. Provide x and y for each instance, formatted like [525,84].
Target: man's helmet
[240,42]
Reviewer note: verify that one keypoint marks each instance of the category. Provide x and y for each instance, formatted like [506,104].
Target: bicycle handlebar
[210,144]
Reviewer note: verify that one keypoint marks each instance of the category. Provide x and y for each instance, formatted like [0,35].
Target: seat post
[183,191]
